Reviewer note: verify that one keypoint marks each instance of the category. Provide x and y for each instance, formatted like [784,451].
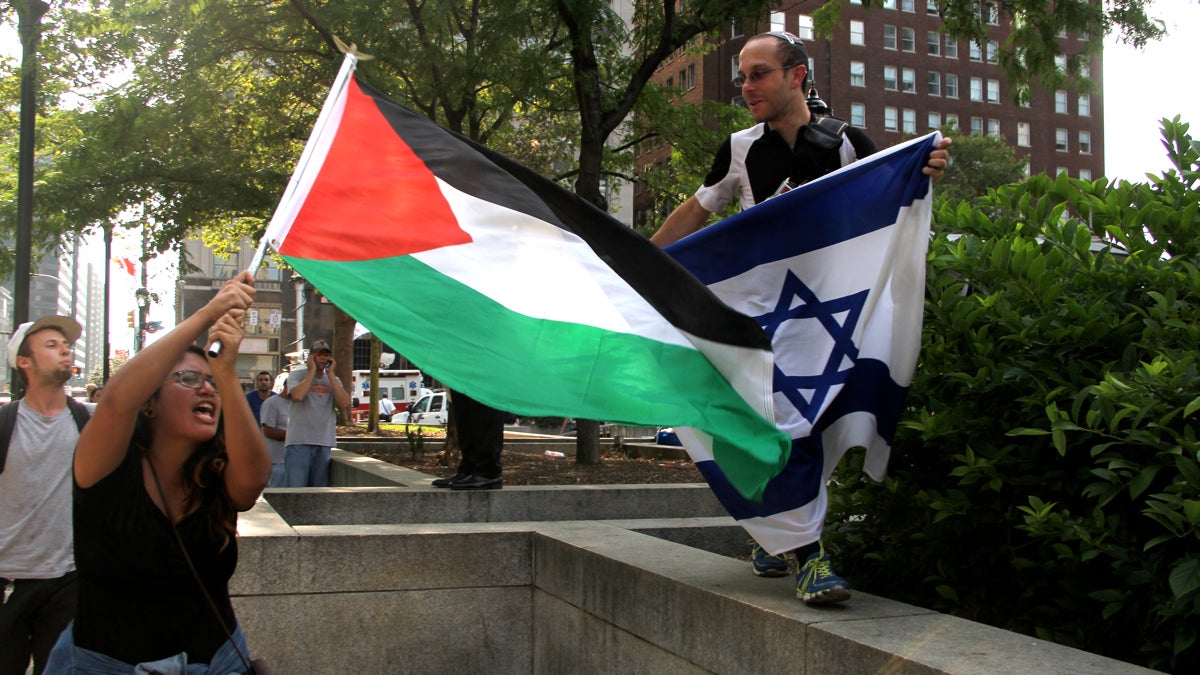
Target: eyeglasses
[756,76]
[192,379]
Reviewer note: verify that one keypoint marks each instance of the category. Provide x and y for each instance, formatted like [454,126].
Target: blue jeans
[306,465]
[278,476]
[66,658]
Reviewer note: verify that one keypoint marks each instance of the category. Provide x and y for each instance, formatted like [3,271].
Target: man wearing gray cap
[37,443]
[312,423]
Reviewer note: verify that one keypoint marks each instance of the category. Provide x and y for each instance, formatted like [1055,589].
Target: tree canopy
[191,113]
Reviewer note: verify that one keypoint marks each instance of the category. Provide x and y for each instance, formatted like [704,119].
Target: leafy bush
[1047,479]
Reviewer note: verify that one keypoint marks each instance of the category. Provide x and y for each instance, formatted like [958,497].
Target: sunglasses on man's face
[756,75]
[192,379]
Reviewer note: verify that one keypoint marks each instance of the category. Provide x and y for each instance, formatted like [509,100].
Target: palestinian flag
[505,286]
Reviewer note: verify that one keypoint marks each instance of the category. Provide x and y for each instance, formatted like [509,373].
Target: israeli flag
[834,271]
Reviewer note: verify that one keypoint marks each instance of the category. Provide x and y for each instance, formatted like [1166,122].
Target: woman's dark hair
[203,473]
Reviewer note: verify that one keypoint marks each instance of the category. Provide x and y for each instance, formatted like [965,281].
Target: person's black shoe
[477,482]
[445,482]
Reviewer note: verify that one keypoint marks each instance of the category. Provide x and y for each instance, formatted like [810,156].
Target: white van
[430,409]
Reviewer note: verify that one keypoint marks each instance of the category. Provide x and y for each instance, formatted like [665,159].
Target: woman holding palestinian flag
[170,456]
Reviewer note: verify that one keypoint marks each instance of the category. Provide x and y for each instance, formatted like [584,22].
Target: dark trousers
[31,621]
[480,435]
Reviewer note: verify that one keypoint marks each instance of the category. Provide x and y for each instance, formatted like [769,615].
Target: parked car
[430,409]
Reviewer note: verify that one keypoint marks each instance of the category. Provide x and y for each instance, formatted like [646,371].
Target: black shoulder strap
[79,411]
[825,132]
[8,422]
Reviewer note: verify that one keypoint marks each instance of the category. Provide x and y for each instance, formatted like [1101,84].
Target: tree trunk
[343,353]
[373,404]
[587,442]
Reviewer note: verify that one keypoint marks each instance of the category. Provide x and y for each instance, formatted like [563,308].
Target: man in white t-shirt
[386,407]
[37,563]
[274,420]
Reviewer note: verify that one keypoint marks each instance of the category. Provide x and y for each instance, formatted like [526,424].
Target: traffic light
[129,317]
[77,372]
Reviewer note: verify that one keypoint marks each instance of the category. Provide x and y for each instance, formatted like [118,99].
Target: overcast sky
[1143,86]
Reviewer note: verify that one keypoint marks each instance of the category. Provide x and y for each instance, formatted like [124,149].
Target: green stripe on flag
[539,367]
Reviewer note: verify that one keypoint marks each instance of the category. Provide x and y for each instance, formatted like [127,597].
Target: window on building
[858,74]
[976,52]
[737,29]
[735,63]
[1060,62]
[992,49]
[804,30]
[933,43]
[951,85]
[889,78]
[1061,169]
[1060,102]
[858,115]
[1085,105]
[1085,142]
[1085,69]
[908,121]
[1085,174]
[976,88]
[976,126]
[890,120]
[993,128]
[934,120]
[889,4]
[670,83]
[934,79]
[857,33]
[991,14]
[952,120]
[993,91]
[683,79]
[908,40]
[908,80]
[908,5]
[951,48]
[1060,140]
[889,37]
[1023,134]
[778,23]
[931,7]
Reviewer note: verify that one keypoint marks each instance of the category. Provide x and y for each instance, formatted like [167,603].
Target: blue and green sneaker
[764,564]
[818,584]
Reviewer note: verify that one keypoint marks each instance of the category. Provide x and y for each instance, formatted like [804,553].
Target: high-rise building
[891,72]
[61,284]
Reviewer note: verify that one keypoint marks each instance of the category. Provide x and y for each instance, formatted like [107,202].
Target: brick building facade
[889,71]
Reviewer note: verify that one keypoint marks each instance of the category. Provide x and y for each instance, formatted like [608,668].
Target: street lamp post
[298,284]
[139,335]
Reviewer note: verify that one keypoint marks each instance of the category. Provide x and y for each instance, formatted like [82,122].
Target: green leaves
[1049,464]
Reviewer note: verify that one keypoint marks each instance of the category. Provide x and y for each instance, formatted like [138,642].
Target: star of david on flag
[834,271]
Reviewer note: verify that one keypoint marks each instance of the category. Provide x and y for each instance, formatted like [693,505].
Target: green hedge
[1047,476]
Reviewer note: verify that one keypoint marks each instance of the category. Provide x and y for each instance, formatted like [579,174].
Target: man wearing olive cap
[312,423]
[37,564]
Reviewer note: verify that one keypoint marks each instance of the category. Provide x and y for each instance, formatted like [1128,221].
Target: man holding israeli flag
[834,272]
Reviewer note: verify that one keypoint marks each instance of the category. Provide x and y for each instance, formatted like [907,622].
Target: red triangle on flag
[373,197]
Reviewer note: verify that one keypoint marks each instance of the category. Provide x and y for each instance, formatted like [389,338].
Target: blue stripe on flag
[838,207]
